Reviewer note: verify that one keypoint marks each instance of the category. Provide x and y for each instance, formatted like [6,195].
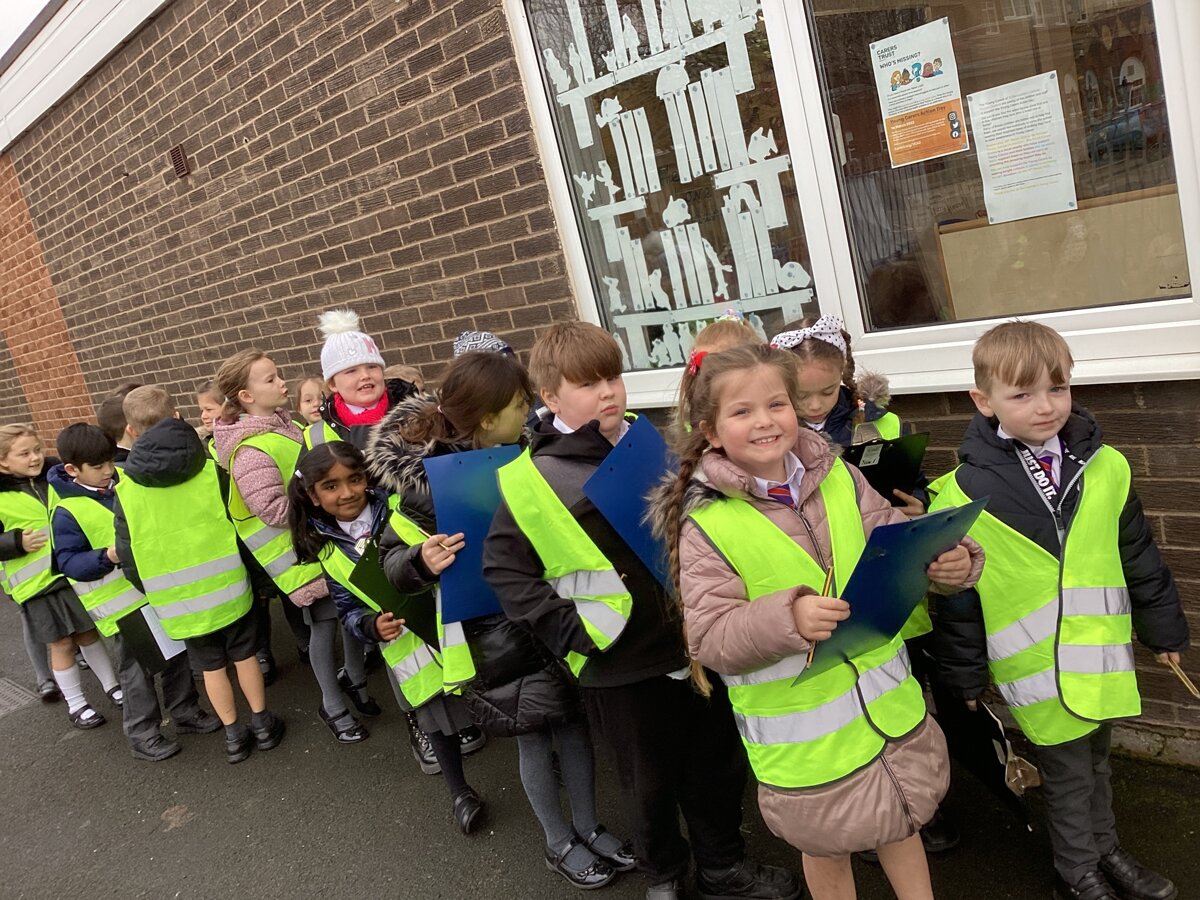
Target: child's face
[360,385]
[210,408]
[505,427]
[93,476]
[310,401]
[1031,413]
[24,458]
[342,492]
[265,389]
[820,384]
[579,403]
[755,423]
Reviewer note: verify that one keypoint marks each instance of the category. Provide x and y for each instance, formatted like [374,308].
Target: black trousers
[1077,788]
[674,751]
[141,715]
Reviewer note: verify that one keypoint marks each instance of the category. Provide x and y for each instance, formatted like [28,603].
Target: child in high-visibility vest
[334,515]
[48,604]
[759,515]
[257,441]
[512,684]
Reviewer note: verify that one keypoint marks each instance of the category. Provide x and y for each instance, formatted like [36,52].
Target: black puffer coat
[519,687]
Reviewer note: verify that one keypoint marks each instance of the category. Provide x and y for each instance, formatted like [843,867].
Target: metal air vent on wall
[179,160]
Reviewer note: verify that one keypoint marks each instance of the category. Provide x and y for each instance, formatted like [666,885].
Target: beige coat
[899,791]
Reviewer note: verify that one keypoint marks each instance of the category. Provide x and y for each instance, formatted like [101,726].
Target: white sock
[97,657]
[68,682]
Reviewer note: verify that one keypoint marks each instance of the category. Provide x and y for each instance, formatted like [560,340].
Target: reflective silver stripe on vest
[411,665]
[280,564]
[602,617]
[28,571]
[1023,633]
[116,604]
[83,588]
[810,724]
[319,435]
[586,583]
[192,574]
[453,635]
[262,537]
[788,667]
[1095,660]
[204,602]
[1096,601]
[1030,689]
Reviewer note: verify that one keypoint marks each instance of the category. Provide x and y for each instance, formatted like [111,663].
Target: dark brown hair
[474,386]
[312,466]
[815,350]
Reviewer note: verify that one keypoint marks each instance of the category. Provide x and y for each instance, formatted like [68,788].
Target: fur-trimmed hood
[397,465]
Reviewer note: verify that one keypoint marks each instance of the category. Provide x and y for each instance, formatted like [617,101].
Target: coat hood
[983,447]
[166,454]
[228,436]
[395,464]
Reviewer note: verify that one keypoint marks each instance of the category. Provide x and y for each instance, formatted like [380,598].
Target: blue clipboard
[465,497]
[889,581]
[619,486]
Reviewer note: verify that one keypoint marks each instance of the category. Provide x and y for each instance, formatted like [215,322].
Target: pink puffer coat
[897,793]
[259,482]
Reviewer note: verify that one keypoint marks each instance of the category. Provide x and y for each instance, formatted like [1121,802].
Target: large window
[668,123]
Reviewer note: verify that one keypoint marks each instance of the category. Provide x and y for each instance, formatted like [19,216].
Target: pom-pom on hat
[480,340]
[345,346]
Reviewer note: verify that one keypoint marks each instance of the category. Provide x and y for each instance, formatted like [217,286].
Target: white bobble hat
[345,346]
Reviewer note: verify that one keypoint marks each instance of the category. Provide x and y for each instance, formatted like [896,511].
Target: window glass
[669,125]
[931,242]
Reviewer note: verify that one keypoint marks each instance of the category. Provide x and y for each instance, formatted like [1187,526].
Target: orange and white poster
[916,78]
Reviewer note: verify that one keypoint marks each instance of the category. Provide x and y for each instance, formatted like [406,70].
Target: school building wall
[378,155]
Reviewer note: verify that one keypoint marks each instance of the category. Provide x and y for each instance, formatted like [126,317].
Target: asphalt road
[79,817]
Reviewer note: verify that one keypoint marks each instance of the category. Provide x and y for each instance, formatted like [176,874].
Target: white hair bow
[826,328]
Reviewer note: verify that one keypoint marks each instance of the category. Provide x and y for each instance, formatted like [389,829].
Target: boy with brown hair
[559,568]
[1072,570]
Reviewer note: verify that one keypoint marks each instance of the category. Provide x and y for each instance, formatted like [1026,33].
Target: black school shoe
[268,736]
[365,707]
[471,739]
[238,749]
[467,810]
[1092,886]
[202,722]
[748,880]
[346,729]
[621,859]
[595,874]
[1132,880]
[48,692]
[86,718]
[155,748]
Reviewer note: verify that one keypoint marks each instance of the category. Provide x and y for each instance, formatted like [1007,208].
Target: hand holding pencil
[817,615]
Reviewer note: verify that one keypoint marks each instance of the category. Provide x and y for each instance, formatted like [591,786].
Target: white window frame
[1148,341]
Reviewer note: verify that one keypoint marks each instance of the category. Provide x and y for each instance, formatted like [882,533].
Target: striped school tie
[783,494]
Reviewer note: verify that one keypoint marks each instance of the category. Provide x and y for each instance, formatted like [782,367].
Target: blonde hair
[10,433]
[573,351]
[315,379]
[234,377]
[209,389]
[723,334]
[147,406]
[691,446]
[1018,352]
[410,374]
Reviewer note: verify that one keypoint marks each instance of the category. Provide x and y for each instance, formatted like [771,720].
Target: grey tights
[323,659]
[541,785]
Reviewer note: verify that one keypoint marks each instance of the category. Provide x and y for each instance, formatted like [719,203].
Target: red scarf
[368,416]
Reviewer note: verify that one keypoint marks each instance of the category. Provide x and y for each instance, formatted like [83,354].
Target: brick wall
[1157,426]
[370,154]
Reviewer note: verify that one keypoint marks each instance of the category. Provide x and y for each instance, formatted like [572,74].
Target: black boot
[1092,886]
[421,748]
[1132,880]
[748,880]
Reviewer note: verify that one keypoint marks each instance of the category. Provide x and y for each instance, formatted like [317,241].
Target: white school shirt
[793,475]
[360,527]
[1052,447]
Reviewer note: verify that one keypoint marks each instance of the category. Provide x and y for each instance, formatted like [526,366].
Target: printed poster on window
[1024,156]
[916,78]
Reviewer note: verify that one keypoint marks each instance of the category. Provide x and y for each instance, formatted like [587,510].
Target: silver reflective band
[788,667]
[204,602]
[411,665]
[1023,633]
[1095,660]
[1096,601]
[116,604]
[810,724]
[262,537]
[584,583]
[192,573]
[1030,689]
[602,617]
[280,564]
[82,588]
[319,436]
[29,570]
[453,635]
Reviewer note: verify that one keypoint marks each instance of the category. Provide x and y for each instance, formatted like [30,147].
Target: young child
[333,515]
[513,685]
[310,393]
[258,443]
[49,606]
[561,570]
[1072,568]
[759,512]
[176,545]
[209,400]
[84,540]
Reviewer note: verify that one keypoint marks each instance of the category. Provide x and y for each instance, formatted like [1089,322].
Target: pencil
[1187,682]
[824,593]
